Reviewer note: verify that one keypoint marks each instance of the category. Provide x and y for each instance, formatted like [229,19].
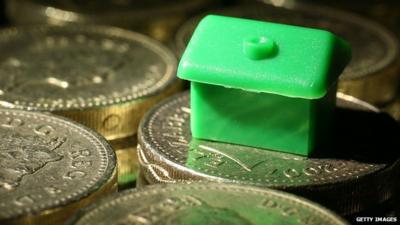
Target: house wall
[255,119]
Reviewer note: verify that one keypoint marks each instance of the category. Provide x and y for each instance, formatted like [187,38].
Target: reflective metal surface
[168,154]
[50,167]
[103,77]
[200,204]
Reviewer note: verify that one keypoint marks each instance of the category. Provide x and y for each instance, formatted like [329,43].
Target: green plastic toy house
[260,84]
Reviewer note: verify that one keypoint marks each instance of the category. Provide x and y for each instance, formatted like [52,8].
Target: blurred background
[383,11]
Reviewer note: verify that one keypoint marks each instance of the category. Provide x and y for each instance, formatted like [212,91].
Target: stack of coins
[105,78]
[348,178]
[208,203]
[153,17]
[50,167]
[373,73]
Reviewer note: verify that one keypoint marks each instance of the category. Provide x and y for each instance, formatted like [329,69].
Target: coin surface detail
[168,154]
[102,77]
[49,167]
[152,17]
[209,203]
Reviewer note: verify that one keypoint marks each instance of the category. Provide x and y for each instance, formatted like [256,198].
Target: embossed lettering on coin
[168,154]
[47,163]
[209,203]
[166,132]
[23,155]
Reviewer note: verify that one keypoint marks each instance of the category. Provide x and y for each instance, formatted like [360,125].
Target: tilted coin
[372,74]
[153,17]
[210,203]
[127,161]
[49,168]
[347,178]
[102,77]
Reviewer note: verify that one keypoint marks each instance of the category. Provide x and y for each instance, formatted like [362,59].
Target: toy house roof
[264,57]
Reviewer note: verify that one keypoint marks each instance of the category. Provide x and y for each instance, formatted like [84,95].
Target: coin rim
[129,195]
[146,144]
[96,182]
[159,169]
[168,78]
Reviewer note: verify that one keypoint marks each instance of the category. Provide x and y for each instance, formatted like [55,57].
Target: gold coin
[363,156]
[206,204]
[153,17]
[127,161]
[50,167]
[102,77]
